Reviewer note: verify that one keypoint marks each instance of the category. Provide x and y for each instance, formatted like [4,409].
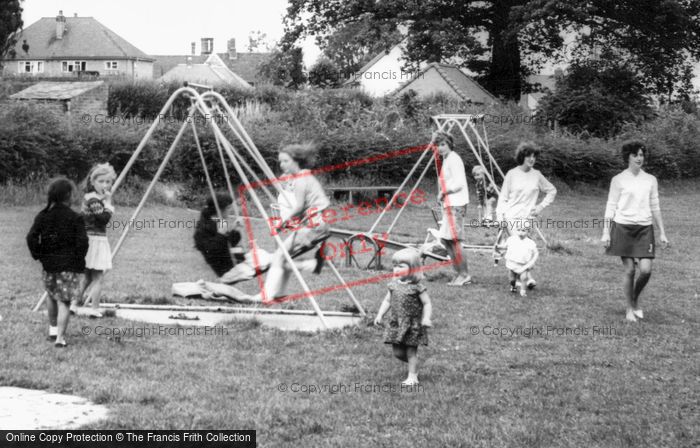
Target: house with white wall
[68,46]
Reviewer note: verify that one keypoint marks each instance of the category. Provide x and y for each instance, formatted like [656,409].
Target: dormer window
[73,66]
[111,65]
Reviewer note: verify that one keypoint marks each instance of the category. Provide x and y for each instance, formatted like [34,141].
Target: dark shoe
[61,344]
[51,338]
[320,260]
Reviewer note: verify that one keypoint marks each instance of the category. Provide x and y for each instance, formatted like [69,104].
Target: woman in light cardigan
[522,186]
[628,231]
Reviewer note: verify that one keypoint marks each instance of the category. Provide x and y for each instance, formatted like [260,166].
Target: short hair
[304,154]
[478,169]
[630,147]
[442,136]
[223,200]
[411,257]
[526,149]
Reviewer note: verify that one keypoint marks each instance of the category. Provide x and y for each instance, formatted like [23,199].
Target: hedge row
[346,125]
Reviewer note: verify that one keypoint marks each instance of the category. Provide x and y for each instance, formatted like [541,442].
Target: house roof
[462,85]
[162,64]
[371,62]
[47,90]
[245,65]
[84,38]
[205,73]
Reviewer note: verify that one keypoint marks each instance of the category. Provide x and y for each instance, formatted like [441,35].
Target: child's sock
[53,331]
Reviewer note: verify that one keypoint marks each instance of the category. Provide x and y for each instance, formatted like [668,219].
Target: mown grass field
[619,384]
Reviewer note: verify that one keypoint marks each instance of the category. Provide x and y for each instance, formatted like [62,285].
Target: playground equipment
[211,104]
[477,141]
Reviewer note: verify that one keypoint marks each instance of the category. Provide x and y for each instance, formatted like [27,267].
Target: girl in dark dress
[410,311]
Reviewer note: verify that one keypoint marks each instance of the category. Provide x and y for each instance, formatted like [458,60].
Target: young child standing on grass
[97,211]
[521,255]
[411,311]
[486,194]
[58,240]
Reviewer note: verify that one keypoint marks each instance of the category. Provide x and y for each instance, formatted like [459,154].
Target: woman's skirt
[631,240]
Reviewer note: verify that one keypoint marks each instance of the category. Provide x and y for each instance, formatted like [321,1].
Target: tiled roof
[463,86]
[56,90]
[205,74]
[164,63]
[246,64]
[84,38]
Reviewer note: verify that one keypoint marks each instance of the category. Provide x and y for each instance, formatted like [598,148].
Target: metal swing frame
[210,104]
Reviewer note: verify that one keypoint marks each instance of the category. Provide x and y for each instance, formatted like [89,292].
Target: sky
[161,27]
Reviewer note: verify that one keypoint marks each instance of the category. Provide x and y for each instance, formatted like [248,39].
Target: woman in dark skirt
[628,231]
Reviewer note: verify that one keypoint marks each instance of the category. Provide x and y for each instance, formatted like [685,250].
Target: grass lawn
[617,385]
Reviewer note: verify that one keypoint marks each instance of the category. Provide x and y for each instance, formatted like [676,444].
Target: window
[73,66]
[111,65]
[31,67]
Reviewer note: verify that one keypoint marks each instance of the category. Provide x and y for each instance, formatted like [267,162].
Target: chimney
[207,45]
[193,48]
[60,25]
[231,47]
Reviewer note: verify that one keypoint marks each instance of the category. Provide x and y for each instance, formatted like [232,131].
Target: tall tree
[505,40]
[10,23]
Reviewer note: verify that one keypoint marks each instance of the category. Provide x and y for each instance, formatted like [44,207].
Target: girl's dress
[405,315]
[97,215]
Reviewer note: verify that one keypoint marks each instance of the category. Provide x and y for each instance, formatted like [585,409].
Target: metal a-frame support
[199,104]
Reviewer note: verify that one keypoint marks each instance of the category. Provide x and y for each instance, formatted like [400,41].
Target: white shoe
[410,382]
[523,293]
[639,314]
[630,316]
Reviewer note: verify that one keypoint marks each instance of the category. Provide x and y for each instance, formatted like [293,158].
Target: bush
[347,125]
[324,74]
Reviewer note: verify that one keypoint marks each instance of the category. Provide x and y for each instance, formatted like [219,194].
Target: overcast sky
[159,27]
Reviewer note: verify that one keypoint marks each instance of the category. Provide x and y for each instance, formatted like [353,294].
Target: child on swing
[58,239]
[486,194]
[97,211]
[411,311]
[521,255]
[213,244]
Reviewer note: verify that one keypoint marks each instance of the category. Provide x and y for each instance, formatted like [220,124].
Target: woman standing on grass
[453,195]
[628,231]
[521,189]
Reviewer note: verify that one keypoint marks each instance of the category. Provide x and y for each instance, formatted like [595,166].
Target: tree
[10,23]
[324,74]
[505,40]
[597,96]
[284,68]
[351,46]
[257,40]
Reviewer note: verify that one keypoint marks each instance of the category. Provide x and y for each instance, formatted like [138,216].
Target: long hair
[411,257]
[61,190]
[98,170]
